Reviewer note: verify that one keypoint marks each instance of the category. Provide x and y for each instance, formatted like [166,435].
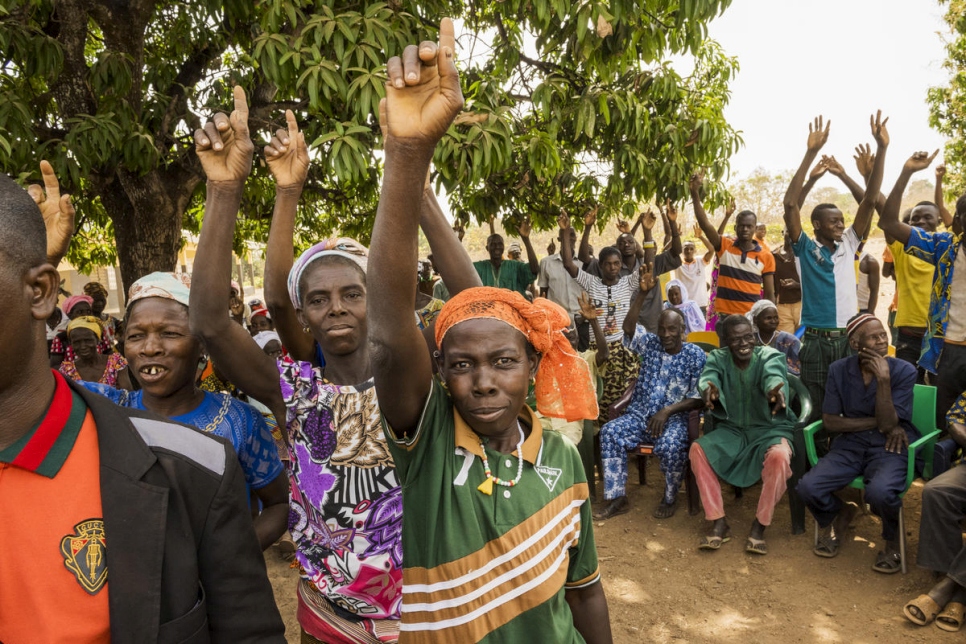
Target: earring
[443,384]
[306,329]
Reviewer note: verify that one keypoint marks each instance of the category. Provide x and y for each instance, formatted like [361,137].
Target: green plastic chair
[924,420]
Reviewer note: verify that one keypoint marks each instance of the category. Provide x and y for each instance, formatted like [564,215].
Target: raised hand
[940,171]
[646,279]
[710,395]
[732,206]
[833,165]
[224,145]
[864,159]
[696,181]
[648,219]
[57,211]
[524,228]
[672,211]
[587,308]
[591,217]
[459,230]
[423,93]
[879,131]
[919,161]
[818,133]
[623,227]
[696,230]
[563,220]
[820,169]
[287,155]
[776,398]
[551,247]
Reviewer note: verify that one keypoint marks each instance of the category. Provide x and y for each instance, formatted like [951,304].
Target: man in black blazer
[117,524]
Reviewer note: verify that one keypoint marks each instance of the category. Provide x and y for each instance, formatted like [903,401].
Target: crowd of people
[428,450]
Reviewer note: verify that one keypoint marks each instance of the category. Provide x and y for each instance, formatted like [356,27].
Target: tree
[947,105]
[568,104]
[762,192]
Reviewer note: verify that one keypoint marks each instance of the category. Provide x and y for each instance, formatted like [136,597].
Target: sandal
[714,542]
[756,546]
[827,547]
[620,505]
[926,606]
[951,619]
[887,563]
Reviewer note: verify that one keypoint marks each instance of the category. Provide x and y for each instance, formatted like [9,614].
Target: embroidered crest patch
[85,554]
[549,475]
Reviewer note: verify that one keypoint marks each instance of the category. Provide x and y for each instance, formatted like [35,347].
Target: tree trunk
[147,213]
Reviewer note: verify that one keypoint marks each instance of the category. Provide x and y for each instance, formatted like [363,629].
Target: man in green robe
[743,386]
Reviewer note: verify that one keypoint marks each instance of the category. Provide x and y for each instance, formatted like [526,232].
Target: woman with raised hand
[497,531]
[345,505]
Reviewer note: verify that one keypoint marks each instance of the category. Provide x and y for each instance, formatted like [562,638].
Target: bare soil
[660,588]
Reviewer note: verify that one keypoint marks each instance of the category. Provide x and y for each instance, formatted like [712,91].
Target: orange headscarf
[563,386]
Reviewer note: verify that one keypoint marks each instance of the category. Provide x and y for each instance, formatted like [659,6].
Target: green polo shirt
[512,274]
[490,568]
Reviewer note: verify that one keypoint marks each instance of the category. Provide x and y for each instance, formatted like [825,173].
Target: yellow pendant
[486,487]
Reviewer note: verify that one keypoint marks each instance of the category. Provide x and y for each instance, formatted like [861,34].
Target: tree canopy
[568,105]
[947,104]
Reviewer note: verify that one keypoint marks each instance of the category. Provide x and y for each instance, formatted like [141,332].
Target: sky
[843,59]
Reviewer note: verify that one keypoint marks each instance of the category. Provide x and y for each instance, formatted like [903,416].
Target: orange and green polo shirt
[53,571]
[741,276]
[490,568]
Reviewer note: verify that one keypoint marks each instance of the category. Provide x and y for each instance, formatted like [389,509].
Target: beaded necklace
[486,487]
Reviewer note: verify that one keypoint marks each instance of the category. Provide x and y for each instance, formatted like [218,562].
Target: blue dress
[242,425]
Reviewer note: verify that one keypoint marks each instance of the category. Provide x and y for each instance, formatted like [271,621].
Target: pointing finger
[50,181]
[293,126]
[446,60]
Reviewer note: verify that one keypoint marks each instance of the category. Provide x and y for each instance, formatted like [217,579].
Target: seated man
[743,385]
[941,546]
[666,390]
[874,424]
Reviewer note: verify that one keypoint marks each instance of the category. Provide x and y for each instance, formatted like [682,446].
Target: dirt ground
[660,588]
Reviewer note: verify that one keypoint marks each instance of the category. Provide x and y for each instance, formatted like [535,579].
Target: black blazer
[183,563]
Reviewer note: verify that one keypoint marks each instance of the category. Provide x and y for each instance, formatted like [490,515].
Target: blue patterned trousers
[623,434]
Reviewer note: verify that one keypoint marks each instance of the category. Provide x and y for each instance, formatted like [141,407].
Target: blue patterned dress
[664,380]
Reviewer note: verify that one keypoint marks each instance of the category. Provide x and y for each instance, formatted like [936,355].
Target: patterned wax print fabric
[957,413]
[238,422]
[115,363]
[495,567]
[345,511]
[664,380]
[941,250]
[428,314]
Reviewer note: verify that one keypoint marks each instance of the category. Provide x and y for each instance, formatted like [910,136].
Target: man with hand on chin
[868,403]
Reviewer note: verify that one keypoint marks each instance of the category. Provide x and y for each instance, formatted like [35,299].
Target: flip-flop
[926,606]
[756,546]
[714,542]
[827,547]
[951,619]
[887,563]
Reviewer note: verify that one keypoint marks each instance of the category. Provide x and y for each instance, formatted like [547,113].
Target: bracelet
[650,244]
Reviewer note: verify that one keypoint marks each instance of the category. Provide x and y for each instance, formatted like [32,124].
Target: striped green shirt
[490,568]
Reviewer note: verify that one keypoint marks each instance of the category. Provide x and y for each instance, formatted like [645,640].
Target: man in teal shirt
[508,273]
